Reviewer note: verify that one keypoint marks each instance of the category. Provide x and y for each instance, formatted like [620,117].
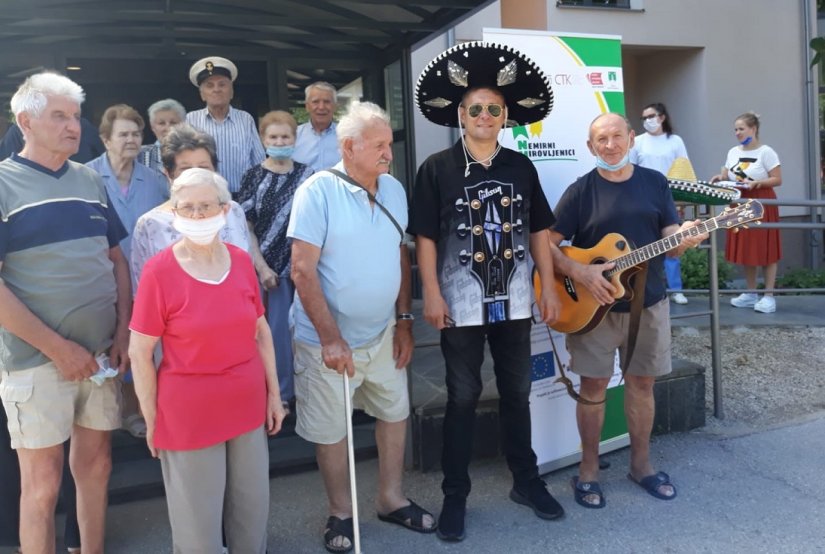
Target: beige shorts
[592,354]
[42,406]
[377,387]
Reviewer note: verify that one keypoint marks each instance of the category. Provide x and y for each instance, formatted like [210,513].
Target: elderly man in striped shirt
[234,131]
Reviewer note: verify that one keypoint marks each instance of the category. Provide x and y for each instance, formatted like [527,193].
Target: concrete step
[136,475]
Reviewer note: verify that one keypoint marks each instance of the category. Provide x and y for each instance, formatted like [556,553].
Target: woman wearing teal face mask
[755,166]
[266,198]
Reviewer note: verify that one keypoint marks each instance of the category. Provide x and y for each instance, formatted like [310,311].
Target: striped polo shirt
[236,137]
[56,230]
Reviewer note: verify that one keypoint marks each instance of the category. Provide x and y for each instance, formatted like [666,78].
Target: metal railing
[714,290]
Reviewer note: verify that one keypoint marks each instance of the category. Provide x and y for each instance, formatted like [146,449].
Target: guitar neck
[661,246]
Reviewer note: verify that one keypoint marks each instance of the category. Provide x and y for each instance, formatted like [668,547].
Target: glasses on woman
[206,209]
[474,110]
[651,116]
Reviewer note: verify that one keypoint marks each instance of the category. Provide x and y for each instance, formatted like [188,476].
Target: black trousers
[463,350]
[10,493]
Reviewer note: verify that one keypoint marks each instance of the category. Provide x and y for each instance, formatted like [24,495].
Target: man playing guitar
[618,197]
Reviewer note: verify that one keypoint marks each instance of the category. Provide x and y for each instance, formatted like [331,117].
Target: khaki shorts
[42,406]
[592,354]
[377,387]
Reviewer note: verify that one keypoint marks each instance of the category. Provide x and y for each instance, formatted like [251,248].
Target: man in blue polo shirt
[316,144]
[353,283]
[64,299]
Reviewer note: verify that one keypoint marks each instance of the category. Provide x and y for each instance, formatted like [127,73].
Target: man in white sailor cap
[234,131]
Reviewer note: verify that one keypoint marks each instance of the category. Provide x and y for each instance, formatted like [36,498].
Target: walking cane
[356,533]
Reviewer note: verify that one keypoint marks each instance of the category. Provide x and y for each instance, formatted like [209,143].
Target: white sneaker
[679,298]
[766,305]
[745,300]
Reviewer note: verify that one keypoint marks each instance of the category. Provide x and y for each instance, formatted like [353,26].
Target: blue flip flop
[651,484]
[582,489]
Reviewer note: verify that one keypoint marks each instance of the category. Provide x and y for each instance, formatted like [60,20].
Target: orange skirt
[755,246]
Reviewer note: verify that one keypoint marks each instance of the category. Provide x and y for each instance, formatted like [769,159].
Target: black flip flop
[582,489]
[337,527]
[410,517]
[651,484]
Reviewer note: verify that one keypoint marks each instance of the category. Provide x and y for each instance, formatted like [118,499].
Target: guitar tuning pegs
[460,205]
[462,230]
[518,225]
[464,257]
[520,252]
[517,201]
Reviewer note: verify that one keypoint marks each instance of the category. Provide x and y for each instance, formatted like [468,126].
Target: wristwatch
[406,316]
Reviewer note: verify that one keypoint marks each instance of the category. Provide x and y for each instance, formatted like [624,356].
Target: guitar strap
[637,304]
[565,380]
[343,176]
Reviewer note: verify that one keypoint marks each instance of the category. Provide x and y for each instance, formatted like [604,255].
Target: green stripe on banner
[614,421]
[596,52]
[615,102]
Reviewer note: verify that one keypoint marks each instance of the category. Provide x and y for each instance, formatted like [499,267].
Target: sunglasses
[474,110]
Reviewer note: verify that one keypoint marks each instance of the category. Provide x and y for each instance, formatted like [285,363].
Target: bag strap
[371,196]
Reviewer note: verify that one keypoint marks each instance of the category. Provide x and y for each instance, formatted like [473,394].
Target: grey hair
[167,104]
[197,176]
[359,116]
[185,137]
[321,85]
[33,94]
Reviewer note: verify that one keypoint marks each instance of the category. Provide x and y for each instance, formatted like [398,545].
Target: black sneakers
[451,520]
[534,494]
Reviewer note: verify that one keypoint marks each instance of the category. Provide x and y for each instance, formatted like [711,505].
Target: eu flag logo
[543,366]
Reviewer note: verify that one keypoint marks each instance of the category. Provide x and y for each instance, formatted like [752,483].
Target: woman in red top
[216,388]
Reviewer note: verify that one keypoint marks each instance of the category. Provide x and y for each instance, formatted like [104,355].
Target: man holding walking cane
[352,316]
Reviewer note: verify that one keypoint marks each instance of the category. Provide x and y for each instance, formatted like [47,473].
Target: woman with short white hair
[207,407]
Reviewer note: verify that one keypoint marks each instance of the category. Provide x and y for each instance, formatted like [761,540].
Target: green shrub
[695,272]
[802,278]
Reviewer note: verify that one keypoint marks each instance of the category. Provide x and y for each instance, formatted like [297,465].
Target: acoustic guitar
[581,312]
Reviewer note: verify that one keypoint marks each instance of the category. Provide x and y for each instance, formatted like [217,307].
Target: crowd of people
[198,290]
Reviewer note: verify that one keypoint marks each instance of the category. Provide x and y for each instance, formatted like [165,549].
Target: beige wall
[709,61]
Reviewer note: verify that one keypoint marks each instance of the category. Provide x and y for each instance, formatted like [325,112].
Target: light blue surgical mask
[747,141]
[601,164]
[280,152]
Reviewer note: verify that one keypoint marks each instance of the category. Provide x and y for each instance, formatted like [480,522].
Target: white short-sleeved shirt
[751,164]
[657,151]
[360,265]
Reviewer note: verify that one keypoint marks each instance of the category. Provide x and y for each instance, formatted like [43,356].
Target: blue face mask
[601,164]
[747,141]
[280,152]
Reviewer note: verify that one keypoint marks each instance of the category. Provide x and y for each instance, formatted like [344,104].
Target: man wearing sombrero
[478,213]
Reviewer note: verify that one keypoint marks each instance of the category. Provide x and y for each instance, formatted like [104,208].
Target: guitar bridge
[570,288]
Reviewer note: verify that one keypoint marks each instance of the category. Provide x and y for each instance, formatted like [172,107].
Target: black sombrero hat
[444,81]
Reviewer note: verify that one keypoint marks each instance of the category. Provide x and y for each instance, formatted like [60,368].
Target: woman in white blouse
[182,148]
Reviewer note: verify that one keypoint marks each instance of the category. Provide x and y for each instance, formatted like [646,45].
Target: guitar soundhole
[621,245]
[605,274]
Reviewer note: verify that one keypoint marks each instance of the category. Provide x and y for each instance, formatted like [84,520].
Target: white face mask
[652,125]
[199,231]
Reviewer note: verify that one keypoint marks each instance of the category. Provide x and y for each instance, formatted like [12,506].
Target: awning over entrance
[149,42]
